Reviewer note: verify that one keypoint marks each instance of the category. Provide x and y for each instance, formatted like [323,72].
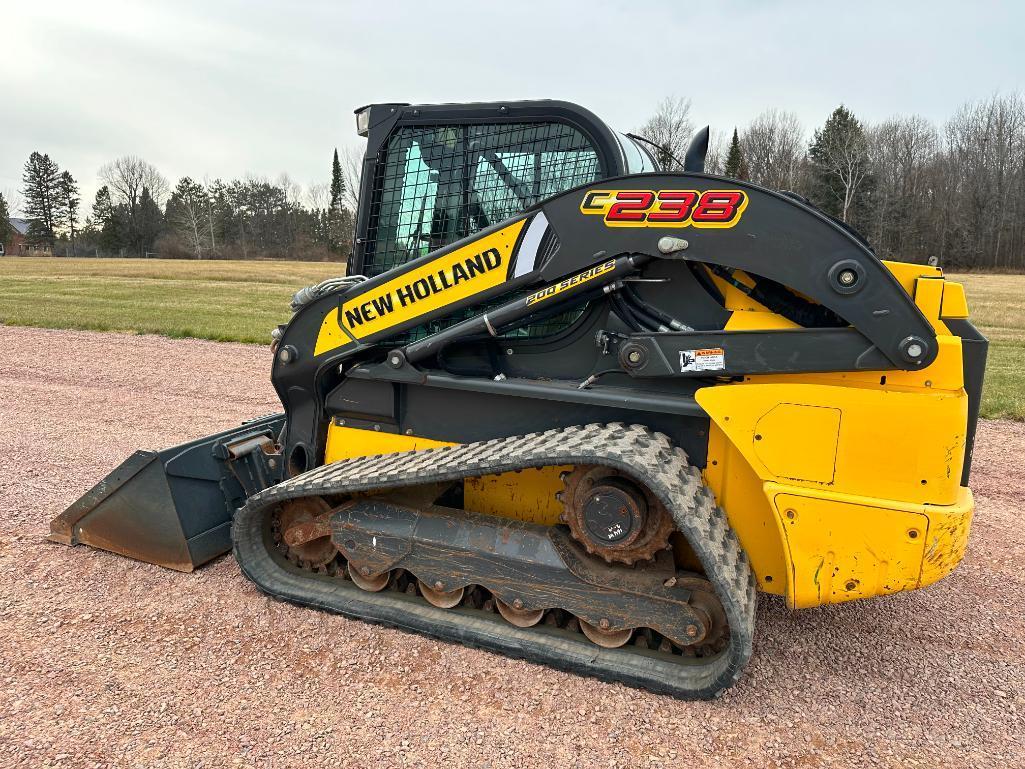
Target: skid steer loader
[570,407]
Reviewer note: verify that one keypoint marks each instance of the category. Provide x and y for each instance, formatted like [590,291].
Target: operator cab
[433,174]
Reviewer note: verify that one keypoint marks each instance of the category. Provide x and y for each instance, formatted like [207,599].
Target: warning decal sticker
[708,359]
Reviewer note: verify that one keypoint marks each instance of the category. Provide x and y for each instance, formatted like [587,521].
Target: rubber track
[650,458]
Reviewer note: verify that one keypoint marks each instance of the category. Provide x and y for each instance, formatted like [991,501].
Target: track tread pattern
[649,457]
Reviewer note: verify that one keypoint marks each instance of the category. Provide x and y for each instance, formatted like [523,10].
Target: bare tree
[292,189]
[318,195]
[352,172]
[718,146]
[129,175]
[901,152]
[15,201]
[773,146]
[139,187]
[986,148]
[670,128]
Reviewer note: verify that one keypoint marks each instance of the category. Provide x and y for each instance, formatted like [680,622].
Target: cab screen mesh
[438,184]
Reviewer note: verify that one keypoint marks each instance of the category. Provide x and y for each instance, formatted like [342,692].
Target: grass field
[225,301]
[997,306]
[243,301]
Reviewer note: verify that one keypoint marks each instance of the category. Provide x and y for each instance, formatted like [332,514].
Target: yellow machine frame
[839,486]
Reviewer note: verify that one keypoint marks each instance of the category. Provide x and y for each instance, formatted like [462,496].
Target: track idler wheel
[438,596]
[518,615]
[305,532]
[367,582]
[609,639]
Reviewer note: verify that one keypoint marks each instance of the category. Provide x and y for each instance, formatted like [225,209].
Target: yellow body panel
[840,547]
[820,435]
[350,442]
[858,459]
[527,495]
[838,550]
[907,273]
[889,443]
[738,490]
[947,539]
[955,304]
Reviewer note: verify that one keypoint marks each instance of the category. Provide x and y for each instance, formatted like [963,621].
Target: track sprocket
[613,517]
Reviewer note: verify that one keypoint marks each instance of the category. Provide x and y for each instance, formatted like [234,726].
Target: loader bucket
[171,507]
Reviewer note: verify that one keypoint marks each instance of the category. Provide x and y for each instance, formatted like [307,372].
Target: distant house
[17,245]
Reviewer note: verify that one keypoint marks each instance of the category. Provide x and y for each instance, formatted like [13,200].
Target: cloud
[225,87]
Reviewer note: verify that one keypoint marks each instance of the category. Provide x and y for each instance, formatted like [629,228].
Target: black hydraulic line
[625,314]
[782,301]
[667,320]
[642,314]
[704,279]
[563,293]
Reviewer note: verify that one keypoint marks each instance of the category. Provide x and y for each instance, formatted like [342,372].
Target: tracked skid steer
[573,408]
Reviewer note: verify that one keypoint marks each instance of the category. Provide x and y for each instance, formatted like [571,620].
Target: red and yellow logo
[666,208]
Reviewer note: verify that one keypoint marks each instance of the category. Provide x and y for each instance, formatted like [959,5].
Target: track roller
[438,596]
[517,615]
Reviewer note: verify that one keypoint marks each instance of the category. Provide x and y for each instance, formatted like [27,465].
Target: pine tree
[149,222]
[736,166]
[337,183]
[335,219]
[68,204]
[109,220]
[841,178]
[42,198]
[6,230]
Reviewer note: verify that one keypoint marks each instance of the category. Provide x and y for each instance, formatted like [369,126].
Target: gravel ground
[108,662]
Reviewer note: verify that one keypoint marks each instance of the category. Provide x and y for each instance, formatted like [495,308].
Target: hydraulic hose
[625,313]
[635,301]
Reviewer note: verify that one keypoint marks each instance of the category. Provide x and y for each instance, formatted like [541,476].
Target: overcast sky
[228,88]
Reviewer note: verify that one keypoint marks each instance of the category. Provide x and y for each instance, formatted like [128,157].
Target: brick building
[17,245]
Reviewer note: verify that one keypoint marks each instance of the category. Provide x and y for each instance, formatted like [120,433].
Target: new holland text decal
[582,277]
[666,208]
[449,278]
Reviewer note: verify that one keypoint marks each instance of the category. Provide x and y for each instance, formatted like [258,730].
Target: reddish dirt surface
[108,662]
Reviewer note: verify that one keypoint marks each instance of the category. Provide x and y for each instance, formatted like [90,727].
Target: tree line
[137,213]
[914,189]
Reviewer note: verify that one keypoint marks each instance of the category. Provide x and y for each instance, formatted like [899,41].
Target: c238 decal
[666,208]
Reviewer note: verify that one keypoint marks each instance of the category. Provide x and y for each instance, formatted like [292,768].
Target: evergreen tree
[42,198]
[6,230]
[337,183]
[148,223]
[841,179]
[335,223]
[68,204]
[736,166]
[109,222]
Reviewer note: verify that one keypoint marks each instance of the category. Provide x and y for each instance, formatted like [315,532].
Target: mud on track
[108,662]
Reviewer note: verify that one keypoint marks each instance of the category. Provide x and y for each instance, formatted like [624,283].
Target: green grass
[224,301]
[243,301]
[997,307]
